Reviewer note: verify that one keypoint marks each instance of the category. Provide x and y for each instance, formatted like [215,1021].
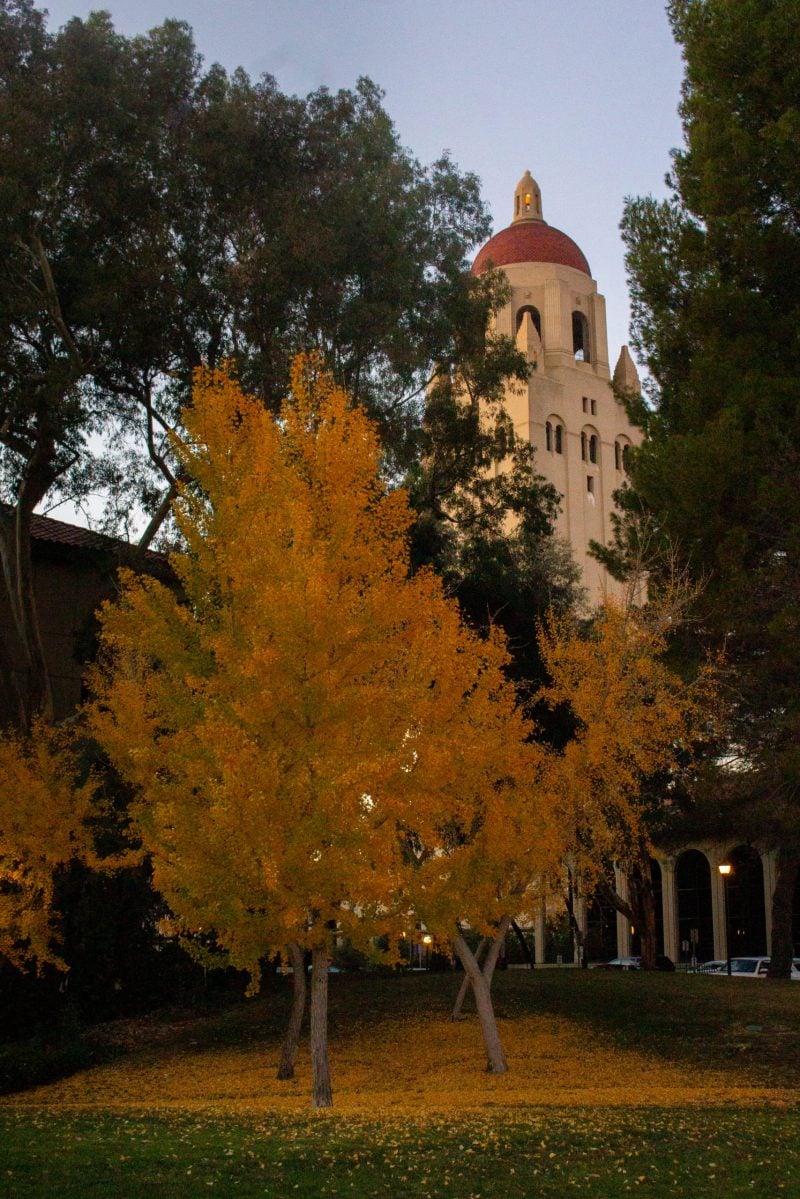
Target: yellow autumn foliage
[315,738]
[44,818]
[634,716]
[419,1067]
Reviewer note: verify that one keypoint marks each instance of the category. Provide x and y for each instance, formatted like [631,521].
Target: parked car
[634,963]
[753,968]
[713,966]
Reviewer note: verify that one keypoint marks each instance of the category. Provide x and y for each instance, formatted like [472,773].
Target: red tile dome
[531,241]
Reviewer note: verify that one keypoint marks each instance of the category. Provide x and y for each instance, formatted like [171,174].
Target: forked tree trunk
[493,945]
[496,1062]
[782,943]
[465,982]
[321,1094]
[291,1038]
[494,950]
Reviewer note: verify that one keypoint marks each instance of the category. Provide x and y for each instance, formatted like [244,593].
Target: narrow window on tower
[590,484]
[559,439]
[617,455]
[585,404]
[625,449]
[548,438]
[580,337]
[583,447]
[594,407]
[593,448]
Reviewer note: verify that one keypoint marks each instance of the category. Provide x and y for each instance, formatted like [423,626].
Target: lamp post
[725,871]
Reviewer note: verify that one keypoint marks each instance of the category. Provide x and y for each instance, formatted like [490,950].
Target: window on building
[590,484]
[593,448]
[534,315]
[580,337]
[559,439]
[617,456]
[625,449]
[583,447]
[594,407]
[585,404]
[548,437]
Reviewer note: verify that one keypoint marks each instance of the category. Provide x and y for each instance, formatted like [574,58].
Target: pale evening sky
[583,93]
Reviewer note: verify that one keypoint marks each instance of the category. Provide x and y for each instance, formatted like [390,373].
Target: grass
[661,1085]
[597,1154]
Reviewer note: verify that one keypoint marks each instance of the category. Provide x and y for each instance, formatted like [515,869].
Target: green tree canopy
[156,214]
[715,274]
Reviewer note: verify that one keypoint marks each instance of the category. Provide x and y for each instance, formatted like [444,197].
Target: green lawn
[742,1031]
[547,1153]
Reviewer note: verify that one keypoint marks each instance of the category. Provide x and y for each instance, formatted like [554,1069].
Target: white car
[713,967]
[754,968]
[627,963]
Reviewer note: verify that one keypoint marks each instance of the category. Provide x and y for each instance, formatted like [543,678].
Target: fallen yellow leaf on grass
[411,1067]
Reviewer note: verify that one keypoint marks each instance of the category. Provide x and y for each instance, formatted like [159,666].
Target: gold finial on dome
[527,200]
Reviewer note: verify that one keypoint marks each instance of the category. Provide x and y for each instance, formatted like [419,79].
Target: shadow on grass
[750,1028]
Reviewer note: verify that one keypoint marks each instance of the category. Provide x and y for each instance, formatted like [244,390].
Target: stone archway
[747,925]
[695,913]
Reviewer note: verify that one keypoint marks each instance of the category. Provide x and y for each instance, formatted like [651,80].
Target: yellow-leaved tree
[635,718]
[319,747]
[45,823]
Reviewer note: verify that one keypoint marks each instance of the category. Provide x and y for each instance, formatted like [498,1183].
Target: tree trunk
[494,950]
[35,697]
[15,700]
[157,519]
[788,866]
[291,1038]
[643,905]
[465,982]
[496,1062]
[523,944]
[321,1094]
[641,911]
[618,903]
[578,932]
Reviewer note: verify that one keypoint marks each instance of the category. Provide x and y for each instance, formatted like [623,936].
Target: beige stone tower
[568,410]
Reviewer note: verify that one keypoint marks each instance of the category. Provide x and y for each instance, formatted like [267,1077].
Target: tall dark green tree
[715,282]
[155,215]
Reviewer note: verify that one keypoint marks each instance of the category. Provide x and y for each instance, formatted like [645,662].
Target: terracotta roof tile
[58,532]
[44,528]
[531,241]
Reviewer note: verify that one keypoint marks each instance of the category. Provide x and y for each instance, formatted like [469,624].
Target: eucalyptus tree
[156,215]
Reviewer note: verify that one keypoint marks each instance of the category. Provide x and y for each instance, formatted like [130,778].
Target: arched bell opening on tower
[534,315]
[590,446]
[580,337]
[554,435]
[621,447]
